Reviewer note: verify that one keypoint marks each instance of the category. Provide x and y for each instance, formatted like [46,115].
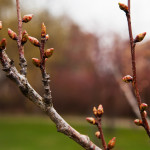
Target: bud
[139,37]
[100,110]
[91,120]
[3,44]
[143,106]
[123,7]
[48,52]
[94,111]
[145,113]
[12,34]
[111,143]
[127,78]
[34,41]
[138,122]
[1,26]
[97,134]
[43,30]
[27,18]
[47,37]
[36,62]
[24,37]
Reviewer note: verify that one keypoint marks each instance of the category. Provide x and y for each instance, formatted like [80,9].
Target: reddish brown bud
[47,37]
[36,62]
[91,120]
[143,106]
[123,7]
[1,26]
[43,30]
[95,111]
[97,134]
[3,44]
[138,122]
[139,37]
[111,143]
[12,34]
[24,37]
[27,18]
[127,78]
[48,52]
[100,110]
[34,41]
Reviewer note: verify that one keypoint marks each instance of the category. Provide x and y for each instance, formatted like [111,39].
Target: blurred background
[92,54]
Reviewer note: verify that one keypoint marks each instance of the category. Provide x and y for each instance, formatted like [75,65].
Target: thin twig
[135,86]
[101,133]
[23,62]
[45,76]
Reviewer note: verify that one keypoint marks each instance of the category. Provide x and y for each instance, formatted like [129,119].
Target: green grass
[39,133]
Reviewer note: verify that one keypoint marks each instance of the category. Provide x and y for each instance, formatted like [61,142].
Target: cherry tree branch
[32,95]
[133,42]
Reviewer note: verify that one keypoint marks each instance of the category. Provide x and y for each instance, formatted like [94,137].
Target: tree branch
[31,94]
[23,62]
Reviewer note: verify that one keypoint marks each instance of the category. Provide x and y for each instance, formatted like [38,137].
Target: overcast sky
[99,16]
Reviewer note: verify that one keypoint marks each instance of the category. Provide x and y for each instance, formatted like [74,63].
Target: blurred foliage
[78,80]
[38,133]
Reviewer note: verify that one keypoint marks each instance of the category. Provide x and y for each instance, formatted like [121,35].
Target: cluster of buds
[12,34]
[123,7]
[44,37]
[27,18]
[127,78]
[1,26]
[139,37]
[98,112]
[111,143]
[2,44]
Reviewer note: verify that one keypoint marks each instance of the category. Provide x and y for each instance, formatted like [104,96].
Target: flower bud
[145,113]
[34,41]
[47,37]
[143,106]
[27,18]
[1,26]
[48,52]
[139,37]
[97,134]
[3,44]
[12,34]
[111,143]
[123,7]
[24,37]
[95,111]
[100,110]
[138,122]
[36,62]
[43,30]
[127,78]
[91,120]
